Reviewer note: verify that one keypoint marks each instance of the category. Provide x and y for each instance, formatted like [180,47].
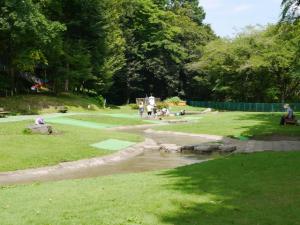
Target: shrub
[133,106]
[161,105]
[27,131]
[173,100]
[101,101]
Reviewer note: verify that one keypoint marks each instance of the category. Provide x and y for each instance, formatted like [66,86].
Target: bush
[173,100]
[27,131]
[101,101]
[133,106]
[161,105]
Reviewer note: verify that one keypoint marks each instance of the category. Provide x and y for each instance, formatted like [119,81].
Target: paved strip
[79,123]
[113,144]
[122,115]
[33,117]
[259,146]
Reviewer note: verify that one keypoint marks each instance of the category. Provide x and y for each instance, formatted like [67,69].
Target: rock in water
[187,148]
[206,149]
[40,129]
[227,148]
[169,148]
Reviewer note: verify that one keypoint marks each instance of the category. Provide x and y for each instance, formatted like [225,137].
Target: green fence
[243,106]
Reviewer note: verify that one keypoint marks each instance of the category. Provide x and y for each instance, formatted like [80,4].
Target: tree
[290,9]
[258,65]
[24,35]
[160,40]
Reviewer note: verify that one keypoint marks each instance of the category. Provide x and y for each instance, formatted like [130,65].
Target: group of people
[152,110]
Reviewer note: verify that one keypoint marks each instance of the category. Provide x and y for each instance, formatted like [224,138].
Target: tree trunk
[67,78]
[13,81]
[66,85]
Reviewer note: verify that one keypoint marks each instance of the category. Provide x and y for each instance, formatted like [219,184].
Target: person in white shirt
[149,110]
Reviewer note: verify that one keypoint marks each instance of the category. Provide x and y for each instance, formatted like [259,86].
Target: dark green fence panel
[244,106]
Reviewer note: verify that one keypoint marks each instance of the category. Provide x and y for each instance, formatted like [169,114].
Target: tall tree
[290,9]
[25,33]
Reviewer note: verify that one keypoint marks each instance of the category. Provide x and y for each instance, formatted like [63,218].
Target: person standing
[149,110]
[141,109]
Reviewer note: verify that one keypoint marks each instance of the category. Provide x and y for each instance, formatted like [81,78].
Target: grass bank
[262,188]
[238,123]
[39,103]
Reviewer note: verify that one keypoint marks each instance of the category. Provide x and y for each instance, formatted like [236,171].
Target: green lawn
[237,123]
[20,151]
[261,188]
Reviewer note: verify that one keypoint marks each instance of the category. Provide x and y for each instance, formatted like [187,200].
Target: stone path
[242,146]
[259,146]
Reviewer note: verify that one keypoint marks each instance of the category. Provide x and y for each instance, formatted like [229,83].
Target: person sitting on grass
[39,121]
[289,116]
[182,112]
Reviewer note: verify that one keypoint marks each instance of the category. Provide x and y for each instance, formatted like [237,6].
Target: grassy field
[20,151]
[237,123]
[262,188]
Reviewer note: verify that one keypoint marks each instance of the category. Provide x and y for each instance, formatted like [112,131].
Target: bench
[62,109]
[3,113]
[290,121]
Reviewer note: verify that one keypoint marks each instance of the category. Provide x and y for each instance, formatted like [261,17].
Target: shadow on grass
[242,189]
[267,125]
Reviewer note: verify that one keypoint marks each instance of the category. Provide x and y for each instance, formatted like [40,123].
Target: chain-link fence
[244,106]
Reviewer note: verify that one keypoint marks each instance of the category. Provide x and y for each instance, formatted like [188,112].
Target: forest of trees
[123,49]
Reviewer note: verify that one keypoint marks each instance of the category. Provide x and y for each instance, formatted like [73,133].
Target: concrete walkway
[242,146]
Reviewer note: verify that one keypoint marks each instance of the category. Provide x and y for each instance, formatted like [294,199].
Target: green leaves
[256,66]
[290,10]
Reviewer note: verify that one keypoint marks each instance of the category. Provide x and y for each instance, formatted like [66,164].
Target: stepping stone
[113,144]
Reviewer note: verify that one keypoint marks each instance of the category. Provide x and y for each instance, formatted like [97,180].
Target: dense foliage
[258,65]
[123,49]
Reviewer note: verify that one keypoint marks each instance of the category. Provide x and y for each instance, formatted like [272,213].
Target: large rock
[227,148]
[187,148]
[40,129]
[169,148]
[206,149]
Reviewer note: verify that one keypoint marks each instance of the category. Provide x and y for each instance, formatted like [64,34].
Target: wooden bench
[62,109]
[3,113]
[290,121]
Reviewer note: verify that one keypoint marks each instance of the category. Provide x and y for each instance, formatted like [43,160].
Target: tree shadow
[234,190]
[267,124]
